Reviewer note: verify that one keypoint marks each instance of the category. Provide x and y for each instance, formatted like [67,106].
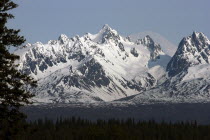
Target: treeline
[80,129]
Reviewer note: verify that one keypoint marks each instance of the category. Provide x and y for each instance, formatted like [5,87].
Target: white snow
[117,64]
[196,72]
[120,66]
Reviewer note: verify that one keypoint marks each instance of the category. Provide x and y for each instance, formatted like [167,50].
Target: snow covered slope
[95,67]
[168,47]
[109,67]
[188,77]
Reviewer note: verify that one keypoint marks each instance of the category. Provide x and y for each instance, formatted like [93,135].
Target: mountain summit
[192,50]
[106,34]
[154,48]
[63,38]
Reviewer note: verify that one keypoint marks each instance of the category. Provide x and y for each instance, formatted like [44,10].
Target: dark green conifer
[12,93]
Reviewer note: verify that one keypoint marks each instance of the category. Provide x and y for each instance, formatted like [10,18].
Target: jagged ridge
[188,77]
[100,67]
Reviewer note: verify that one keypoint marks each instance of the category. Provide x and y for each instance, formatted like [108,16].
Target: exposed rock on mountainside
[192,50]
[100,67]
[188,77]
[155,49]
[107,67]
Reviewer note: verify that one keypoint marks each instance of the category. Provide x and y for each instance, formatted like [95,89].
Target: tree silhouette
[12,82]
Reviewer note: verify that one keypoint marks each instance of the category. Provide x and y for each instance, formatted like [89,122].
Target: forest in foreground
[81,129]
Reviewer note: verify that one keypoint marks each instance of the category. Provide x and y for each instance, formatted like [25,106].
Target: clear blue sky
[42,20]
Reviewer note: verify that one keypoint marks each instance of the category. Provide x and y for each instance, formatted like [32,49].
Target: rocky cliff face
[188,77]
[155,49]
[193,50]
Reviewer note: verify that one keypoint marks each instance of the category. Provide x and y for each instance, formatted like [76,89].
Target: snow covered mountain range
[109,67]
[187,74]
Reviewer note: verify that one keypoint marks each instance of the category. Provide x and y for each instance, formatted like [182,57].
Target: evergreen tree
[12,93]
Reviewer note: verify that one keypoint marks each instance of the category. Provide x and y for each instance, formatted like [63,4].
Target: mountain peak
[63,38]
[197,40]
[106,27]
[148,37]
[192,50]
[106,33]
[197,34]
[147,40]
[199,37]
[155,49]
